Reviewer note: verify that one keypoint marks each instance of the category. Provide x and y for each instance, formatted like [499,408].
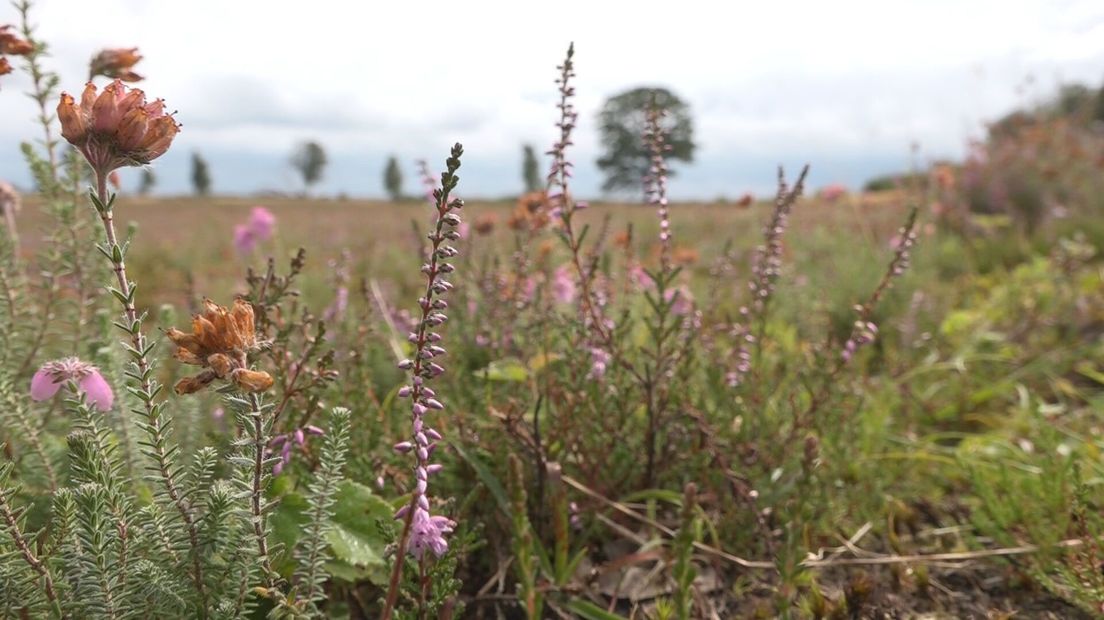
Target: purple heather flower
[564,289]
[428,532]
[287,442]
[258,228]
[599,362]
[262,222]
[244,241]
[52,375]
[684,302]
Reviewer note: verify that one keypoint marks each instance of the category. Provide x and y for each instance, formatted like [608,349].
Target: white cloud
[854,80]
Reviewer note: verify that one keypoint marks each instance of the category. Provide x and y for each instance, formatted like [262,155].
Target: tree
[310,160]
[392,179]
[621,124]
[530,169]
[145,186]
[201,175]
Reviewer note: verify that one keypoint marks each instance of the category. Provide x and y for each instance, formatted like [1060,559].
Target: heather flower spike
[424,531]
[117,127]
[766,267]
[655,183]
[865,330]
[116,64]
[52,375]
[220,342]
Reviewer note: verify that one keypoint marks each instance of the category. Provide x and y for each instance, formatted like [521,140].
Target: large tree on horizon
[310,160]
[621,125]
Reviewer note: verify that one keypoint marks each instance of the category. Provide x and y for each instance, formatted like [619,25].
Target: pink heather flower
[563,285]
[258,228]
[639,277]
[52,375]
[262,223]
[294,440]
[684,303]
[833,192]
[599,362]
[244,241]
[428,532]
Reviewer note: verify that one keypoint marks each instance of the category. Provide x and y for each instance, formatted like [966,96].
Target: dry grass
[187,237]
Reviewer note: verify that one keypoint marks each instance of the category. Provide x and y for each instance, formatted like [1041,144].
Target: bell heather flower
[424,531]
[116,128]
[50,377]
[116,64]
[220,341]
[296,439]
[259,228]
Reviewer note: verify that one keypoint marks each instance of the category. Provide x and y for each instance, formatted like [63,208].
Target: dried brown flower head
[116,64]
[484,224]
[686,256]
[220,342]
[531,212]
[5,66]
[11,44]
[117,127]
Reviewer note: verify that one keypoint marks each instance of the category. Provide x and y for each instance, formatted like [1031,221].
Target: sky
[847,86]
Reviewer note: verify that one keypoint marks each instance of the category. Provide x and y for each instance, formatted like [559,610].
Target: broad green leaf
[355,538]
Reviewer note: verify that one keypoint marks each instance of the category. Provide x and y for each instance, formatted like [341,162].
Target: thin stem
[12,521]
[42,88]
[257,494]
[146,392]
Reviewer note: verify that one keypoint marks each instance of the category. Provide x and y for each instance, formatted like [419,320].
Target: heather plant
[804,408]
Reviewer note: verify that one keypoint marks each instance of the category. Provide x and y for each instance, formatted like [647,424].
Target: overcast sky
[845,85]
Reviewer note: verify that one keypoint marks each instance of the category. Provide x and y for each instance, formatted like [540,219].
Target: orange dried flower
[484,224]
[531,212]
[686,256]
[116,128]
[11,44]
[220,342]
[5,66]
[116,64]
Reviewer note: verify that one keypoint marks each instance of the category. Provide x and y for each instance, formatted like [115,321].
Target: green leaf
[355,539]
[487,477]
[508,369]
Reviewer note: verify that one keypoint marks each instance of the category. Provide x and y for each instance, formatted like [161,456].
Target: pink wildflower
[262,222]
[428,532]
[289,441]
[833,192]
[50,377]
[259,228]
[563,285]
